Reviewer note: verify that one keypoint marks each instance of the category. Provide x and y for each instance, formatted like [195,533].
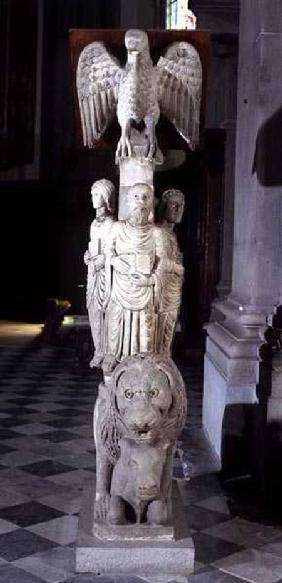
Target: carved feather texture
[180,89]
[138,95]
[98,77]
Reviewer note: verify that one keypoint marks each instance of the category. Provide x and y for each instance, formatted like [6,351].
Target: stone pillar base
[231,376]
[227,411]
[153,560]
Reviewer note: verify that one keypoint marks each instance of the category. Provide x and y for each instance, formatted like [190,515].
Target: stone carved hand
[141,280]
[170,266]
[98,262]
[87,257]
[102,505]
[179,269]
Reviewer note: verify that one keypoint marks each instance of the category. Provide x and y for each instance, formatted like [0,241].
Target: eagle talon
[124,149]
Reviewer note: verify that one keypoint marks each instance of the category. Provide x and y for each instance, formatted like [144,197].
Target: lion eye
[128,394]
[153,393]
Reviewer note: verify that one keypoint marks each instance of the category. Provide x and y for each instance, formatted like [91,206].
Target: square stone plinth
[153,559]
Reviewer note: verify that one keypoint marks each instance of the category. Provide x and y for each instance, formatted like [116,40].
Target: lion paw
[101,509]
[109,363]
[157,512]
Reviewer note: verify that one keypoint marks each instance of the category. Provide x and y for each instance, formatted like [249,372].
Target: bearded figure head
[141,204]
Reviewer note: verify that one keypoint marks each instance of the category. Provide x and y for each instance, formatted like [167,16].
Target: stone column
[234,335]
[222,20]
[224,285]
[221,113]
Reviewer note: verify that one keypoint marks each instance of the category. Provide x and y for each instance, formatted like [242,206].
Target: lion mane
[113,426]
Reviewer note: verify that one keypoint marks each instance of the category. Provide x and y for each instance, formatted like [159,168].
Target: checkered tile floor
[47,452]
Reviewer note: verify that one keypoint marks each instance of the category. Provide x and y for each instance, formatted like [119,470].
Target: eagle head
[136,41]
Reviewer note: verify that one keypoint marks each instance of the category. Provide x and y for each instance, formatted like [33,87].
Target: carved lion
[147,402]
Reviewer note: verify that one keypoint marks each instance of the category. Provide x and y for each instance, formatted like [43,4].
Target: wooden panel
[159,40]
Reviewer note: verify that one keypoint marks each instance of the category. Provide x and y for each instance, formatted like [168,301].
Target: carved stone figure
[98,289]
[134,284]
[134,251]
[170,213]
[139,91]
[137,479]
[147,406]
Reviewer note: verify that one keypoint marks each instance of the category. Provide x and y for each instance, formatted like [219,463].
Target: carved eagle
[139,92]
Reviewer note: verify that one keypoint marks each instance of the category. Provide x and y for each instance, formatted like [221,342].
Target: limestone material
[137,479]
[139,92]
[141,259]
[170,213]
[131,171]
[171,560]
[129,532]
[104,202]
[136,423]
[135,275]
[226,397]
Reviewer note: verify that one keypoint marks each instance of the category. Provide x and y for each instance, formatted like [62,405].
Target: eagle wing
[97,78]
[180,89]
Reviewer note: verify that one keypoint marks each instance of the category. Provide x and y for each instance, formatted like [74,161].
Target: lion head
[148,401]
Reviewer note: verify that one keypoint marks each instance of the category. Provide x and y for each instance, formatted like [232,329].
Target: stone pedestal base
[228,420]
[152,559]
[230,382]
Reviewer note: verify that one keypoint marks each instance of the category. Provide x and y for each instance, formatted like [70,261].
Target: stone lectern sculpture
[139,92]
[134,286]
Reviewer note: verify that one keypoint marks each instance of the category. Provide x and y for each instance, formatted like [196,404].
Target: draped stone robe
[131,314]
[98,289]
[172,280]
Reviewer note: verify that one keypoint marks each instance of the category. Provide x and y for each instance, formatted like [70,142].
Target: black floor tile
[5,449]
[8,434]
[16,411]
[210,549]
[13,421]
[59,436]
[47,468]
[72,402]
[210,575]
[65,423]
[29,513]
[19,401]
[68,412]
[22,543]
[200,518]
